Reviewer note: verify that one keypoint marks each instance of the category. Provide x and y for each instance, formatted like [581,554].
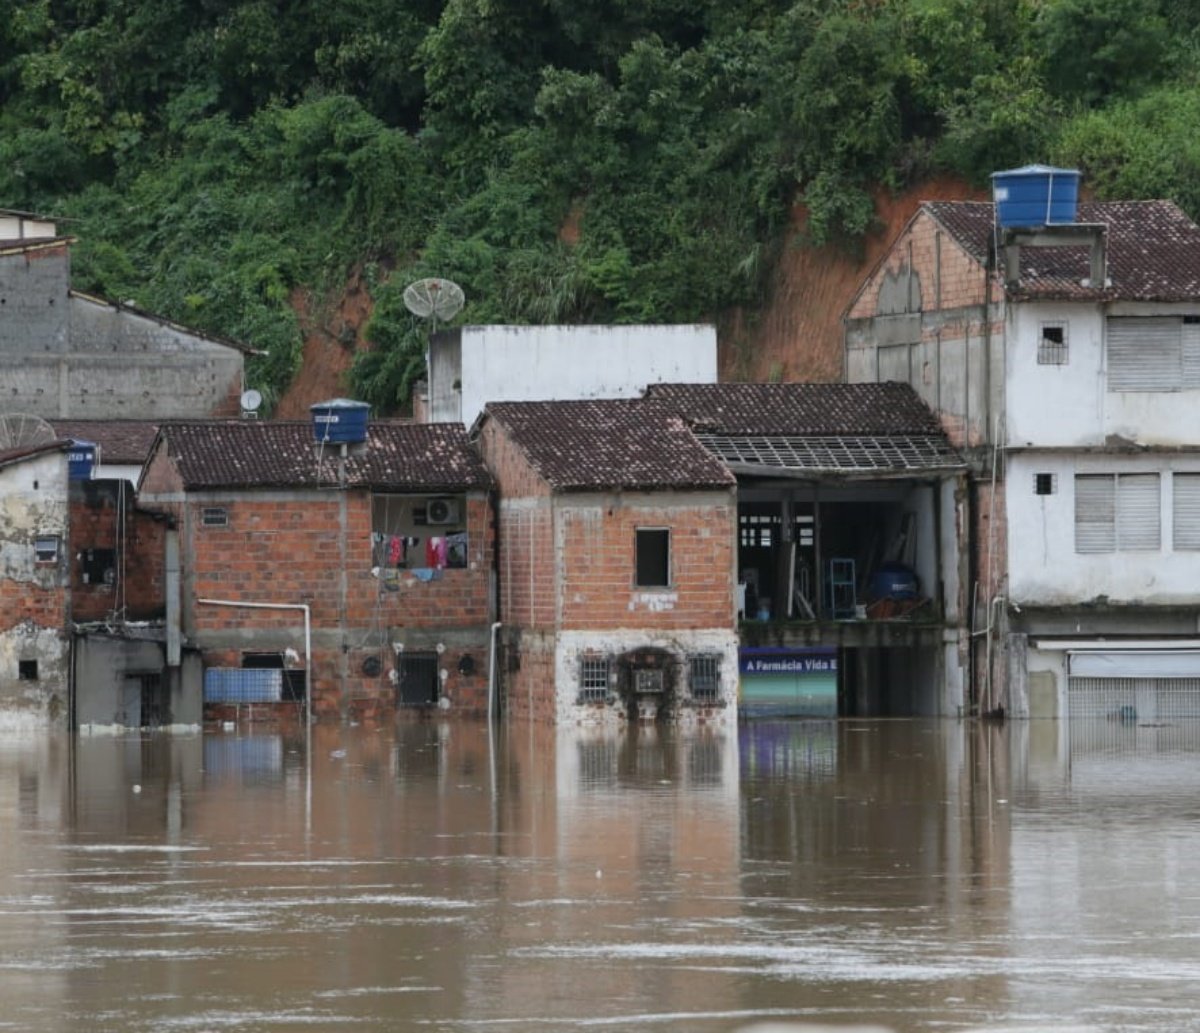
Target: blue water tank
[81,460]
[1036,195]
[341,420]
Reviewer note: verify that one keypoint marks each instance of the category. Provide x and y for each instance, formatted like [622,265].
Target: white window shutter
[1186,511]
[1139,516]
[1095,513]
[1145,353]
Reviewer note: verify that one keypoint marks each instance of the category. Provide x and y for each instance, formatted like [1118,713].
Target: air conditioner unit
[442,511]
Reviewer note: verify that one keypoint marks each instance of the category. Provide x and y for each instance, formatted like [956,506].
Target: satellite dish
[434,299]
[251,400]
[20,430]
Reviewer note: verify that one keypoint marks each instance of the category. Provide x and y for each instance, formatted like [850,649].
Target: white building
[472,365]
[1067,362]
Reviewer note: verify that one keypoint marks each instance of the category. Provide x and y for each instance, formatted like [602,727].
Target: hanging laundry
[435,553]
[456,550]
[395,551]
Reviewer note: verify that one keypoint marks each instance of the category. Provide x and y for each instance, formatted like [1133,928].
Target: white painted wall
[554,363]
[573,644]
[1043,567]
[1070,405]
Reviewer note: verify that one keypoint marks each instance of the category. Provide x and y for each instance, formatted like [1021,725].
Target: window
[413,531]
[27,670]
[1045,484]
[1153,353]
[214,516]
[98,566]
[1117,513]
[1186,511]
[594,674]
[45,548]
[1052,348]
[653,558]
[703,678]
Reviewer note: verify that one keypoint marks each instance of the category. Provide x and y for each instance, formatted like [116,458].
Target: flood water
[430,876]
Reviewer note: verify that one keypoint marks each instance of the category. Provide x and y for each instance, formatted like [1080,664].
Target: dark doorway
[417,679]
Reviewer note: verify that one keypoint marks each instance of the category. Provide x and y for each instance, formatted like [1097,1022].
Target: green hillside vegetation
[216,155]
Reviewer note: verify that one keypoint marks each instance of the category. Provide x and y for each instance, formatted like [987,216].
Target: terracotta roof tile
[799,409]
[1153,251]
[398,456]
[609,444]
[120,441]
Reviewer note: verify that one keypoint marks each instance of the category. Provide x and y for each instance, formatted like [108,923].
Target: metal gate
[1108,713]
[416,679]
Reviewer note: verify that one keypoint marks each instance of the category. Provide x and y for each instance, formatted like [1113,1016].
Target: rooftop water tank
[81,460]
[340,421]
[1036,195]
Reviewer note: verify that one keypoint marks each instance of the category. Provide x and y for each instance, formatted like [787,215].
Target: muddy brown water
[912,875]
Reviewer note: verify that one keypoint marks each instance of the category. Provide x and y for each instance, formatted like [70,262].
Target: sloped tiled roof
[861,429]
[1153,251]
[12,456]
[609,444]
[398,456]
[120,441]
[799,409]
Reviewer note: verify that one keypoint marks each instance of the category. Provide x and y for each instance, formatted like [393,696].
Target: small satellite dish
[20,430]
[251,400]
[434,299]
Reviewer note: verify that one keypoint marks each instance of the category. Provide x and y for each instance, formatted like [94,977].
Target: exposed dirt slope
[332,330]
[798,335]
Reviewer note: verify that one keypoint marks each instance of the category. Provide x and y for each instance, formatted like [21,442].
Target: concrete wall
[67,355]
[1070,405]
[107,672]
[544,363]
[1044,568]
[34,594]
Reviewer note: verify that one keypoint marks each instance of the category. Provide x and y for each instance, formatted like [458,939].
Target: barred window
[593,679]
[703,677]
[1052,348]
[214,516]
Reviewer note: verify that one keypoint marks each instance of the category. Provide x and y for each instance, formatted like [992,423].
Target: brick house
[34,583]
[617,566]
[389,542]
[1065,360]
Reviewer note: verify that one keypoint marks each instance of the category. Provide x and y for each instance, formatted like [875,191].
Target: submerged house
[35,588]
[850,540]
[354,573]
[617,569]
[1061,348]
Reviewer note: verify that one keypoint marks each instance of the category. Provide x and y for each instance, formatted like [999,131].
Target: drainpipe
[491,703]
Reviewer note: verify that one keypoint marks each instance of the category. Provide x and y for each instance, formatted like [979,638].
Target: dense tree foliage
[564,160]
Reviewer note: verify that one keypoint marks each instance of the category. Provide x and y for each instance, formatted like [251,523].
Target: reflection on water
[437,876]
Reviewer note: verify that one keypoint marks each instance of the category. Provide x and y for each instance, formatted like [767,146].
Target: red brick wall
[961,277]
[94,517]
[22,601]
[527,558]
[598,556]
[281,549]
[529,676]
